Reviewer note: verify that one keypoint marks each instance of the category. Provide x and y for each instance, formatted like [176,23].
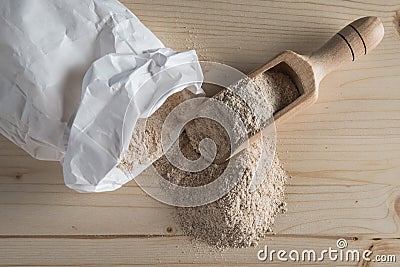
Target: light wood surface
[343,152]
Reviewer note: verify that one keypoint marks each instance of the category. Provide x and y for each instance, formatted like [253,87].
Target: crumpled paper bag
[74,78]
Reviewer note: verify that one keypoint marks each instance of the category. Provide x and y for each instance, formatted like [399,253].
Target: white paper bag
[74,78]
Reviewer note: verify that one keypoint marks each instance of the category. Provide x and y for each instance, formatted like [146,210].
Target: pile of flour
[243,216]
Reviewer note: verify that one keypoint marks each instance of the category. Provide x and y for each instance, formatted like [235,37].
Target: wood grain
[343,152]
[173,251]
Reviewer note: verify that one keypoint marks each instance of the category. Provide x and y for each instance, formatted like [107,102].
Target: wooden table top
[343,152]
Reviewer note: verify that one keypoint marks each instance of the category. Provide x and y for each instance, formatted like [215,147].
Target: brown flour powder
[282,91]
[145,145]
[254,103]
[242,217]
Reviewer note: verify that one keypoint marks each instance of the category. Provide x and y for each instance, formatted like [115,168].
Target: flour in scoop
[253,101]
[279,89]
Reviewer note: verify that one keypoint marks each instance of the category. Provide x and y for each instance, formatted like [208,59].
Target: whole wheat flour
[254,102]
[281,91]
[241,217]
[145,146]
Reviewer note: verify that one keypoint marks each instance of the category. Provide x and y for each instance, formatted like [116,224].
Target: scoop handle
[356,39]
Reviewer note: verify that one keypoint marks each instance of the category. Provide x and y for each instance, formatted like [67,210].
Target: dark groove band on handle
[362,40]
[348,44]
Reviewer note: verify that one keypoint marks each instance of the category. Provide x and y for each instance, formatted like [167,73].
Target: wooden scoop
[356,39]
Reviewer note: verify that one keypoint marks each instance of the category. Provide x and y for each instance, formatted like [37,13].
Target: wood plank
[47,207]
[174,251]
[246,35]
